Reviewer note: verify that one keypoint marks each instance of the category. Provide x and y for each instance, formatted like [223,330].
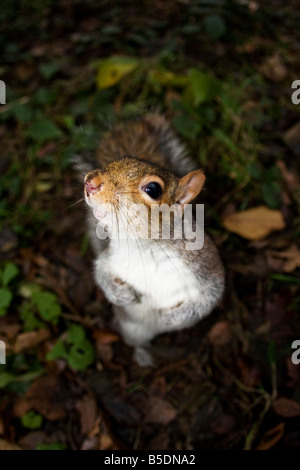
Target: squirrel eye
[154,190]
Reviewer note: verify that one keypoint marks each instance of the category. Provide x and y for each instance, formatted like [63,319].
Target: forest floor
[222,72]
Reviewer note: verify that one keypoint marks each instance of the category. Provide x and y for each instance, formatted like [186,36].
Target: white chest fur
[162,278]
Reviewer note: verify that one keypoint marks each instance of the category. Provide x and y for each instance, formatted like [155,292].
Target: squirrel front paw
[181,314]
[120,292]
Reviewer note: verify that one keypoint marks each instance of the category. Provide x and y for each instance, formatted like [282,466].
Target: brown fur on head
[128,177]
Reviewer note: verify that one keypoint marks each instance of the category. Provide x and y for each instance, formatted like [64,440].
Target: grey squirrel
[155,285]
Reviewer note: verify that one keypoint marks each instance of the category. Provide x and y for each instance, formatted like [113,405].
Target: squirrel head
[139,182]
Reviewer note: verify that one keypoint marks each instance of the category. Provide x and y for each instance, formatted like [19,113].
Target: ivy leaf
[52,446]
[47,306]
[202,87]
[6,378]
[44,130]
[32,420]
[31,322]
[58,350]
[215,26]
[76,349]
[22,112]
[81,352]
[10,271]
[112,70]
[48,70]
[5,300]
[187,126]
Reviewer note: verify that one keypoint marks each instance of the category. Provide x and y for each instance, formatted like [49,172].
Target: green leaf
[48,70]
[58,351]
[5,300]
[10,271]
[269,192]
[187,126]
[22,112]
[168,78]
[81,355]
[255,170]
[45,96]
[47,306]
[6,378]
[31,322]
[81,352]
[285,278]
[76,349]
[202,87]
[52,446]
[32,420]
[215,26]
[112,70]
[76,334]
[44,130]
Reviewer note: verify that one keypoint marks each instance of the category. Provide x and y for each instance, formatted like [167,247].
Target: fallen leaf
[160,441]
[271,437]
[30,339]
[105,441]
[8,240]
[121,411]
[21,407]
[87,409]
[48,396]
[8,329]
[291,257]
[5,445]
[104,337]
[159,411]
[256,223]
[32,439]
[220,334]
[250,373]
[292,138]
[293,372]
[291,178]
[286,407]
[274,69]
[223,424]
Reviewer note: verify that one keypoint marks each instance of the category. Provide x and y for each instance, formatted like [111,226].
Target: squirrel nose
[92,186]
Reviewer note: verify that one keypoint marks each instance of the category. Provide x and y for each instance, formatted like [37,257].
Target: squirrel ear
[190,186]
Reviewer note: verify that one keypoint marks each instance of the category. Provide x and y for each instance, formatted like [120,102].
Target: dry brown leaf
[286,407]
[30,339]
[21,407]
[271,437]
[159,411]
[105,442]
[104,337]
[220,334]
[223,424]
[5,445]
[292,257]
[292,137]
[256,223]
[87,409]
[274,68]
[291,178]
[48,396]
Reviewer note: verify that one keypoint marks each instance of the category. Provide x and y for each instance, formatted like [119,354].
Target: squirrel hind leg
[143,357]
